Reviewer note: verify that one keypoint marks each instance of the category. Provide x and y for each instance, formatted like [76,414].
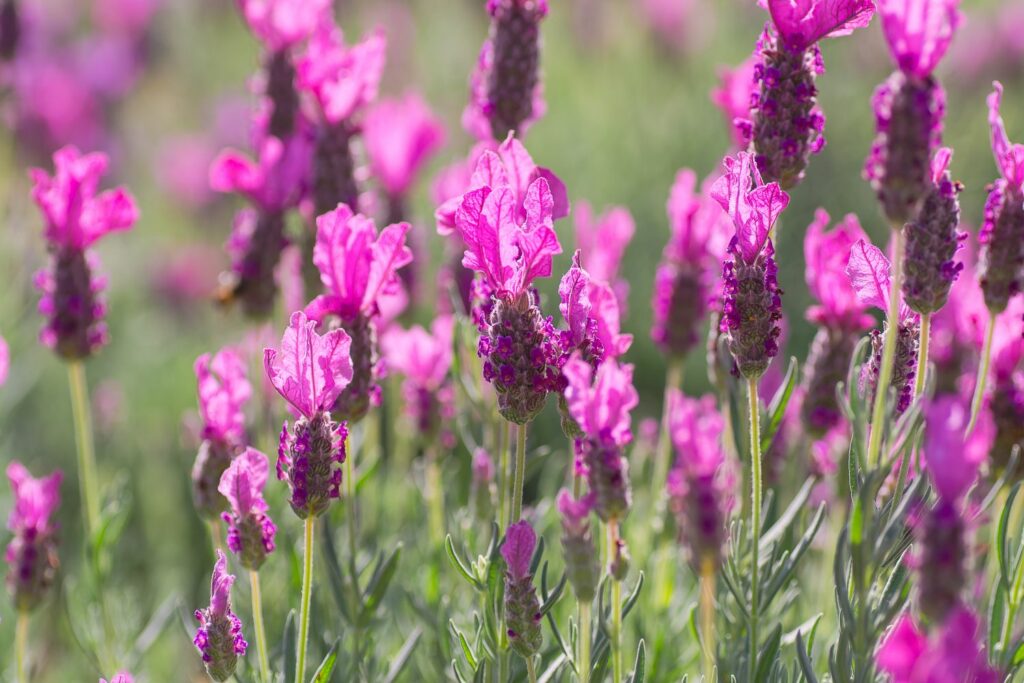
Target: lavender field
[512,340]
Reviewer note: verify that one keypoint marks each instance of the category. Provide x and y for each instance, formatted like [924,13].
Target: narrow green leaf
[639,663]
[632,598]
[401,659]
[326,668]
[378,586]
[467,650]
[996,619]
[457,562]
[335,575]
[785,521]
[288,644]
[769,653]
[1002,548]
[804,659]
[777,407]
[552,599]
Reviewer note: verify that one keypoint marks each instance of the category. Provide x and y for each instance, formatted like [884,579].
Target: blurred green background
[626,110]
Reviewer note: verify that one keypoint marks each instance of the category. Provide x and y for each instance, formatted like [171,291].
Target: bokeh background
[627,84]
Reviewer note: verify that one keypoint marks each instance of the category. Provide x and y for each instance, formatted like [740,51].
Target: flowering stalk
[673,381]
[755,524]
[888,352]
[520,473]
[21,646]
[707,615]
[979,384]
[615,636]
[82,416]
[583,656]
[922,353]
[257,620]
[307,593]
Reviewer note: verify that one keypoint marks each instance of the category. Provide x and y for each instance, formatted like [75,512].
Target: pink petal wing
[869,274]
[538,243]
[559,193]
[901,651]
[520,541]
[574,292]
[519,165]
[334,362]
[489,172]
[389,254]
[1009,157]
[232,171]
[605,310]
[220,586]
[486,221]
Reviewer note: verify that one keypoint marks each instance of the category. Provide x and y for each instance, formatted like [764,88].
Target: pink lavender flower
[223,393]
[871,277]
[76,217]
[933,239]
[358,268]
[602,242]
[787,126]
[522,607]
[734,95]
[310,371]
[1007,399]
[600,402]
[752,305]
[120,677]
[483,490]
[250,529]
[5,360]
[510,245]
[274,183]
[684,280]
[910,105]
[957,333]
[1002,234]
[839,314]
[32,553]
[699,483]
[425,359]
[953,653]
[670,19]
[506,94]
[219,638]
[581,562]
[400,136]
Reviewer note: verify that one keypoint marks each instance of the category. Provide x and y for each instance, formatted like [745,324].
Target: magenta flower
[32,553]
[953,653]
[919,32]
[342,79]
[951,463]
[669,19]
[1006,401]
[281,24]
[310,371]
[219,637]
[250,529]
[699,483]
[957,333]
[689,267]
[603,240]
[5,360]
[604,309]
[1003,230]
[425,359]
[223,393]
[581,562]
[522,608]
[827,255]
[752,302]
[787,126]
[506,94]
[76,217]
[120,677]
[870,275]
[400,136]
[510,166]
[734,95]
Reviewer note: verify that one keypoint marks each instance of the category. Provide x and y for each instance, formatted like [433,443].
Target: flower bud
[752,311]
[828,363]
[515,72]
[213,458]
[903,369]
[309,459]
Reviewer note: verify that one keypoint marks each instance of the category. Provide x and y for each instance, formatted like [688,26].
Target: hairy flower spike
[425,359]
[76,218]
[510,67]
[581,561]
[32,553]
[522,607]
[250,530]
[932,242]
[752,299]
[310,372]
[1002,234]
[219,638]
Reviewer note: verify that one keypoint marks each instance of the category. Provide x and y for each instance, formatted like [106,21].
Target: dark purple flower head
[522,608]
[250,530]
[219,638]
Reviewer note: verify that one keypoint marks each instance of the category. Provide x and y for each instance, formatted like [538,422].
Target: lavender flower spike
[522,607]
[752,298]
[219,638]
[1002,234]
[250,529]
[581,561]
[32,553]
[76,218]
[310,371]
[933,240]
[910,105]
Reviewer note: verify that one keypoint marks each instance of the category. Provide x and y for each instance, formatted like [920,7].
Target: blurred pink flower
[670,19]
[276,181]
[186,275]
[423,357]
[35,500]
[343,79]
[280,24]
[400,136]
[5,360]
[827,255]
[952,655]
[951,463]
[753,205]
[601,402]
[734,94]
[870,276]
[1009,156]
[603,240]
[223,391]
[120,677]
[919,32]
[356,264]
[130,17]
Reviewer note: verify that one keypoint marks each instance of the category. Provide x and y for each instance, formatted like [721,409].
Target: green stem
[583,658]
[352,520]
[215,536]
[530,670]
[520,475]
[257,620]
[435,495]
[82,416]
[307,593]
[1013,599]
[503,472]
[888,352]
[707,615]
[979,384]
[615,637]
[922,354]
[755,523]
[21,645]
[662,457]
